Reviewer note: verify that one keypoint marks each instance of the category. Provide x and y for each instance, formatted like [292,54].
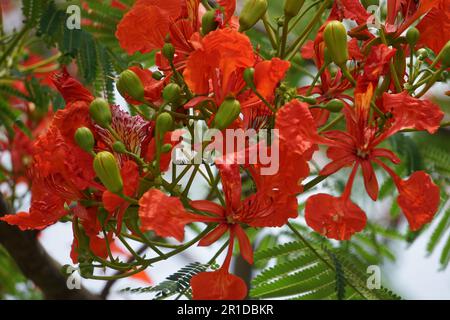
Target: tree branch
[35,263]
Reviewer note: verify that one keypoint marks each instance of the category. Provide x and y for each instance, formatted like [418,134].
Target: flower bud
[166,148]
[85,139]
[164,123]
[334,105]
[412,36]
[100,112]
[130,85]
[119,147]
[157,75]
[422,53]
[252,11]
[335,37]
[309,100]
[168,51]
[106,168]
[445,55]
[228,111]
[209,22]
[292,7]
[249,77]
[171,93]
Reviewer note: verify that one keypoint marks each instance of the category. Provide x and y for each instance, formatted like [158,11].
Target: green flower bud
[228,111]
[335,37]
[445,55]
[100,112]
[309,100]
[209,22]
[107,170]
[249,77]
[119,147]
[166,148]
[292,7]
[85,139]
[157,75]
[252,11]
[164,123]
[171,93]
[334,105]
[168,51]
[422,53]
[130,85]
[412,36]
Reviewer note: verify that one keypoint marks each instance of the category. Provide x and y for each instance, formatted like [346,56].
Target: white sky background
[412,275]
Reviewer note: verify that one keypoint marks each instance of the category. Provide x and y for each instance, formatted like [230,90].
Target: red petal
[435,23]
[244,244]
[297,128]
[334,217]
[419,199]
[385,153]
[208,206]
[231,184]
[163,214]
[146,25]
[218,285]
[409,112]
[268,74]
[370,179]
[70,88]
[214,235]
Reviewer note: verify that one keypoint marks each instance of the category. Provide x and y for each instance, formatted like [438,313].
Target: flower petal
[419,199]
[218,285]
[334,217]
[163,214]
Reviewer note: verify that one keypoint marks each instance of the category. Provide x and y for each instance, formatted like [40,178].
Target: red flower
[222,57]
[358,147]
[436,22]
[145,26]
[163,214]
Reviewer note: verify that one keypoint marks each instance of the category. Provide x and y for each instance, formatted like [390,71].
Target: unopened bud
[171,93]
[335,37]
[164,123]
[292,7]
[100,112]
[130,85]
[168,51]
[119,147]
[412,36]
[85,139]
[166,148]
[334,105]
[249,77]
[209,22]
[422,53]
[157,75]
[252,11]
[107,170]
[228,111]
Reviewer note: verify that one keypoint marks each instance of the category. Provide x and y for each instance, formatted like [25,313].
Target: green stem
[284,35]
[299,17]
[14,43]
[398,86]
[322,69]
[302,38]
[269,30]
[332,123]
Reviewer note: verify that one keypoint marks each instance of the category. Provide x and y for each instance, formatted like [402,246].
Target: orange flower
[222,57]
[145,26]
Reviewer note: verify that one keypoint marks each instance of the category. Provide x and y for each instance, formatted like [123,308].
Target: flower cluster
[108,170]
